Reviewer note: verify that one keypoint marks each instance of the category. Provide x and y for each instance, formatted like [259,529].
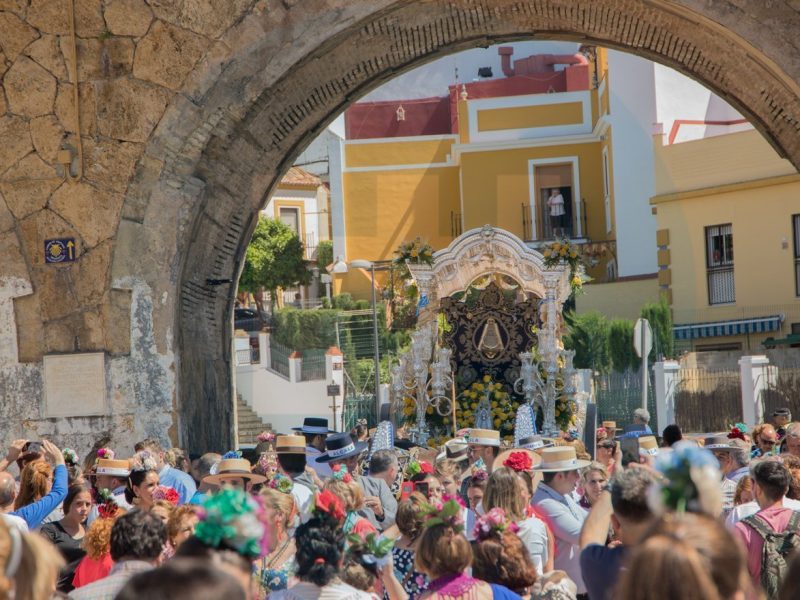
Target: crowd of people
[317,514]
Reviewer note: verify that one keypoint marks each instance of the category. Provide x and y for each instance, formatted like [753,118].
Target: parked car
[249,319]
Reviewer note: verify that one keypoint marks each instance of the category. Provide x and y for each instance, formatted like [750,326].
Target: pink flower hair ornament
[493,523]
[266,436]
[105,453]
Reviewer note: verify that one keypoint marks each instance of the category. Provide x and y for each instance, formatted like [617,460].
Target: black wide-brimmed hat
[317,425]
[339,446]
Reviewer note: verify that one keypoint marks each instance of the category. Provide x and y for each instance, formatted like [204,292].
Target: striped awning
[723,328]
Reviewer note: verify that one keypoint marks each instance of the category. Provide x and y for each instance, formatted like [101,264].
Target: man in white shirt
[556,204]
[111,475]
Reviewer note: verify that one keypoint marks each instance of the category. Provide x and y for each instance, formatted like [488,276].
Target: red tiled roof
[298,176]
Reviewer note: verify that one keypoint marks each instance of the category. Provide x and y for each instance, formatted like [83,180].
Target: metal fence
[244,357]
[248,356]
[279,358]
[359,399]
[782,390]
[708,400]
[358,406]
[313,365]
[619,394]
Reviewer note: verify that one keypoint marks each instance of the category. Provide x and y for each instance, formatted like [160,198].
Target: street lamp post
[341,266]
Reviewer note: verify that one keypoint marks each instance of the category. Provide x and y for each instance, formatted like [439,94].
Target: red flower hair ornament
[738,432]
[425,467]
[518,461]
[107,507]
[167,493]
[327,503]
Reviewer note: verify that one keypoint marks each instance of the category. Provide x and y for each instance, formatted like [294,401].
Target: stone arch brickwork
[191,109]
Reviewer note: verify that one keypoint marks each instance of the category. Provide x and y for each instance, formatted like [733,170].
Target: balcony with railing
[538,226]
[311,243]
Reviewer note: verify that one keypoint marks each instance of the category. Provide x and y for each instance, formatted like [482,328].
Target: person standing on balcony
[556,205]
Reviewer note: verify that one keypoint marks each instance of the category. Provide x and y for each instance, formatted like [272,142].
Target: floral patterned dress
[414,583]
[273,580]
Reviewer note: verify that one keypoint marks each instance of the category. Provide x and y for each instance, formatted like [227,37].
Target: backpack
[777,548]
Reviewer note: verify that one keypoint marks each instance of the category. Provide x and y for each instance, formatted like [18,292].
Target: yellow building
[728,215]
[486,152]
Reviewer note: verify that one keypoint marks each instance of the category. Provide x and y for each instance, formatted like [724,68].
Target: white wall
[336,158]
[632,102]
[280,402]
[678,97]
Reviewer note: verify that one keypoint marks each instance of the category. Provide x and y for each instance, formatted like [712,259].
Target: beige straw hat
[560,458]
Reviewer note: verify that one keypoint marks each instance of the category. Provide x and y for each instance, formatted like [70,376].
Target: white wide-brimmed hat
[483,437]
[233,468]
[560,458]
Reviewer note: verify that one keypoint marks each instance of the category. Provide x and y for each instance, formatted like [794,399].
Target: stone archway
[191,110]
[223,144]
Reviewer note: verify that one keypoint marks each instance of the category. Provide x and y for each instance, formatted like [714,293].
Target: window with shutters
[719,264]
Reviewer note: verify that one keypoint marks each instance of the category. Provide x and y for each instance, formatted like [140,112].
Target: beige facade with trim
[734,180]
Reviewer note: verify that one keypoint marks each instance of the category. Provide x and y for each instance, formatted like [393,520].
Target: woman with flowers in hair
[499,556]
[320,551]
[97,542]
[231,534]
[507,491]
[444,555]
[142,481]
[274,570]
[410,521]
[351,495]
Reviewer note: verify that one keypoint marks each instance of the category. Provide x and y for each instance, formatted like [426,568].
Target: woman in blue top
[34,513]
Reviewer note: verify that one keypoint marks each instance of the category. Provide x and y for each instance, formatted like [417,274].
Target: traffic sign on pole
[643,343]
[642,337]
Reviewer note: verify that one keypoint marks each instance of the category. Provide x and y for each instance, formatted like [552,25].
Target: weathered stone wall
[190,109]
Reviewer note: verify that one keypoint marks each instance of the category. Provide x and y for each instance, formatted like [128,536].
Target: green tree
[274,259]
[620,345]
[660,317]
[324,253]
[588,336]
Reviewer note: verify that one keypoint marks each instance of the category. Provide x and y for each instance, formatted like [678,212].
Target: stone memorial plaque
[75,385]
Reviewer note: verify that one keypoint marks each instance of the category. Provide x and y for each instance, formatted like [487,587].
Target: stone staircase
[250,424]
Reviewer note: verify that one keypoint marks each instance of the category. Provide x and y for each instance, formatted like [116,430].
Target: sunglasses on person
[768,442]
